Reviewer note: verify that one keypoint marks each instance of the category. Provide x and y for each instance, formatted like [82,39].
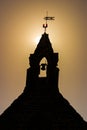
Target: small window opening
[43,67]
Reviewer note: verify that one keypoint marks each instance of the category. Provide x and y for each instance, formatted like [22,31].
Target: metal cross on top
[46,19]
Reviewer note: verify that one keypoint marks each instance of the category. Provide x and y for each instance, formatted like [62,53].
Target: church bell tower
[44,51]
[41,106]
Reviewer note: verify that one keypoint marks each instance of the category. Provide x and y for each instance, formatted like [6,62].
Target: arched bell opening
[43,67]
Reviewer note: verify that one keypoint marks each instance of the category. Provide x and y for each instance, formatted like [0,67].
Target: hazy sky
[21,23]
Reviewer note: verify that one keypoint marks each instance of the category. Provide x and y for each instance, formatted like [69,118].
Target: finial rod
[46,19]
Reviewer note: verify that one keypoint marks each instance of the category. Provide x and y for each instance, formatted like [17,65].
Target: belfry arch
[43,67]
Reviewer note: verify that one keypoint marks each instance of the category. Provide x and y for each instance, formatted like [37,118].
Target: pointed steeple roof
[44,45]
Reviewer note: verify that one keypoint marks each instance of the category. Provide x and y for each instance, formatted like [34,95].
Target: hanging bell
[43,66]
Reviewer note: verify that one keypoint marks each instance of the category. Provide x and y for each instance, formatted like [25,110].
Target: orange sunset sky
[21,23]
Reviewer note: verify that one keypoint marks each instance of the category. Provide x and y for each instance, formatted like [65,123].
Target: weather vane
[46,19]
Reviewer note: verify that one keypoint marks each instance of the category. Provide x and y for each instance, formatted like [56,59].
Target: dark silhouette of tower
[41,106]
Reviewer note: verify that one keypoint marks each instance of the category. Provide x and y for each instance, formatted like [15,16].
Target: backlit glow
[37,39]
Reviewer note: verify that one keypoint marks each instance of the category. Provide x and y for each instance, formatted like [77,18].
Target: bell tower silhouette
[43,50]
[41,106]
